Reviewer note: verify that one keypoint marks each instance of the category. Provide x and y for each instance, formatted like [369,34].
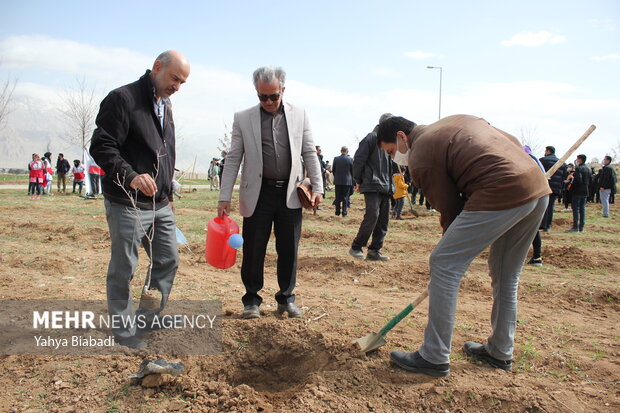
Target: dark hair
[550,149]
[608,158]
[582,157]
[389,128]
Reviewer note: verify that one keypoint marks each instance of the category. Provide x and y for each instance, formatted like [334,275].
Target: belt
[275,182]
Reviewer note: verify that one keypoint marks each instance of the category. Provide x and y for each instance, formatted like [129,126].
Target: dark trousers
[398,206]
[579,211]
[537,244]
[270,209]
[342,199]
[548,219]
[34,186]
[94,183]
[375,221]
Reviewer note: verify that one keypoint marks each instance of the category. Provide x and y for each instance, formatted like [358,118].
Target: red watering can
[218,252]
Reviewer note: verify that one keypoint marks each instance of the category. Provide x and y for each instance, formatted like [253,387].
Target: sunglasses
[264,98]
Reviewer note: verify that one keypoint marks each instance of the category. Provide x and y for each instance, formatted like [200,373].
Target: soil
[567,344]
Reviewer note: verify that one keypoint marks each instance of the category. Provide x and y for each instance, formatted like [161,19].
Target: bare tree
[79,107]
[6,94]
[527,137]
[615,151]
[224,145]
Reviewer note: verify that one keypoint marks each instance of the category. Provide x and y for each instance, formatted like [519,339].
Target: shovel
[373,341]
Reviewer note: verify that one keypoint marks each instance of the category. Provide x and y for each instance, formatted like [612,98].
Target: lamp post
[440,76]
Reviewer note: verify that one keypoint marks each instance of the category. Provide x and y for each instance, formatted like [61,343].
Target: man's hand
[174,210]
[145,184]
[223,208]
[357,188]
[316,199]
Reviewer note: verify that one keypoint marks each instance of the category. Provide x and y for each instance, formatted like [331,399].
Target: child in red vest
[37,173]
[78,175]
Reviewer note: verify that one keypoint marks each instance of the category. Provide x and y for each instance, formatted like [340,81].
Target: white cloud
[534,39]
[610,56]
[418,54]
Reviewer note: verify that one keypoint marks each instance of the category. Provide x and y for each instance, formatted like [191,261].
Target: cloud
[418,54]
[603,24]
[534,39]
[610,56]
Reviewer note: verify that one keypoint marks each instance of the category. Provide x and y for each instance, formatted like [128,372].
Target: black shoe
[536,262]
[415,363]
[355,253]
[374,255]
[572,230]
[479,352]
[290,308]
[131,342]
[251,311]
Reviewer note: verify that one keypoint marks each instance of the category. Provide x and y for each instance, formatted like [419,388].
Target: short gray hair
[165,58]
[385,117]
[268,74]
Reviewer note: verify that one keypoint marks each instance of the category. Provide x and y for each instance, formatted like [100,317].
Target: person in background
[343,180]
[36,169]
[77,170]
[566,186]
[62,168]
[579,193]
[555,183]
[399,195]
[607,184]
[47,182]
[372,173]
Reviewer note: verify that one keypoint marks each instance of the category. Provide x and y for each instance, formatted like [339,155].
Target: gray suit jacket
[246,146]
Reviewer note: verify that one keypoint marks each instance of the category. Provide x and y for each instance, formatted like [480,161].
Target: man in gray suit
[343,180]
[271,138]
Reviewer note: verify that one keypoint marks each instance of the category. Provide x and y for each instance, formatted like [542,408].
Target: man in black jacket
[555,183]
[606,184]
[343,180]
[579,193]
[372,173]
[62,167]
[134,143]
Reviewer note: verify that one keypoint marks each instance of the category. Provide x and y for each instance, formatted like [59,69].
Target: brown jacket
[462,162]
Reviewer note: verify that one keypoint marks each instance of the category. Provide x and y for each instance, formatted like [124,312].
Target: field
[567,343]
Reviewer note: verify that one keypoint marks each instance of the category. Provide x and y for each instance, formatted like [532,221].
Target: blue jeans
[605,194]
[579,211]
[509,233]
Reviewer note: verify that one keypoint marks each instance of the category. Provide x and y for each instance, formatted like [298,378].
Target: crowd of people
[488,191]
[41,175]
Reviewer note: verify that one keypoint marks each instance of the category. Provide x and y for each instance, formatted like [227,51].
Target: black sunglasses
[264,98]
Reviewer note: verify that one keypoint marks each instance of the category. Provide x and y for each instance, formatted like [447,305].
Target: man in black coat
[62,167]
[579,193]
[606,184]
[134,143]
[555,183]
[342,169]
[372,173]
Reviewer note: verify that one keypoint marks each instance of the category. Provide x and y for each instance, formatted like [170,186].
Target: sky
[541,70]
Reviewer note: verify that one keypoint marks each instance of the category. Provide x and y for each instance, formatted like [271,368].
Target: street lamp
[440,76]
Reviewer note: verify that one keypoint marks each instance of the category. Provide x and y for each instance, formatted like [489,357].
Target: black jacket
[342,168]
[557,179]
[581,182]
[372,168]
[62,166]
[128,140]
[607,178]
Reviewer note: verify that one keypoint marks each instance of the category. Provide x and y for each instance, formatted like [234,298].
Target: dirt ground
[567,343]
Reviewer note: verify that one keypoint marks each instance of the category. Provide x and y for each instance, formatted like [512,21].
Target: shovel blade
[370,342]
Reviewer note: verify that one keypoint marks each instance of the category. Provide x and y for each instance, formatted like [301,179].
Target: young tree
[6,94]
[224,145]
[79,107]
[527,137]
